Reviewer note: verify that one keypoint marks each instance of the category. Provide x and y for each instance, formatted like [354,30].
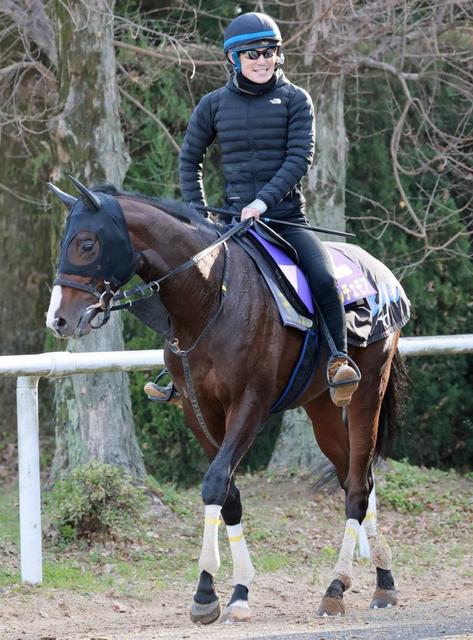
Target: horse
[230,357]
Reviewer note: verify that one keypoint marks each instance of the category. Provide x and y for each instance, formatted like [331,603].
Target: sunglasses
[254,54]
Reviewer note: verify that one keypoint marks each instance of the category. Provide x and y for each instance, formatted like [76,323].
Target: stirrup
[162,394]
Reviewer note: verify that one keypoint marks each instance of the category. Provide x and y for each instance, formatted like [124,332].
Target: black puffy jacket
[267,145]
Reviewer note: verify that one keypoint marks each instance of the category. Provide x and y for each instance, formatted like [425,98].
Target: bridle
[108,296]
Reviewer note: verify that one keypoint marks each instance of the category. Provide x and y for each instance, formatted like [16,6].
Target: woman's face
[260,70]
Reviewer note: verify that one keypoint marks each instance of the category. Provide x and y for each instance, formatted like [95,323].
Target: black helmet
[250,30]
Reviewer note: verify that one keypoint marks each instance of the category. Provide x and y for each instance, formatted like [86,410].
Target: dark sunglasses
[254,54]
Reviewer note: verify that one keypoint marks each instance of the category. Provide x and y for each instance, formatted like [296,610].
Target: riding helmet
[250,30]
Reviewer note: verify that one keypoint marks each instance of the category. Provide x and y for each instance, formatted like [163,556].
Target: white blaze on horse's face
[54,306]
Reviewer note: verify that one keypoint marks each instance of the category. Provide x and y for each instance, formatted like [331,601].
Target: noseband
[104,298]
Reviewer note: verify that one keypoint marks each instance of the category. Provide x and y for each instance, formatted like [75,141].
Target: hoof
[236,612]
[331,607]
[383,598]
[205,613]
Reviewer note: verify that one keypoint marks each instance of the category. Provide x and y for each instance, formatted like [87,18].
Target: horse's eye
[87,246]
[83,248]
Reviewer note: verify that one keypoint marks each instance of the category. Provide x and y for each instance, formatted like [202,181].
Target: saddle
[374,300]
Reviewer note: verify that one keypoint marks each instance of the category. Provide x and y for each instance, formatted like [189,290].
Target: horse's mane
[174,208]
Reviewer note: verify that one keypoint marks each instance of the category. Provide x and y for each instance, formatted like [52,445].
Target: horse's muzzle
[63,329]
[60,328]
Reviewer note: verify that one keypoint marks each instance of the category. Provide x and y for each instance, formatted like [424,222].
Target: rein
[147,290]
[140,292]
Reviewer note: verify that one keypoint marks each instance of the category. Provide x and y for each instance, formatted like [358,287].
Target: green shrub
[96,498]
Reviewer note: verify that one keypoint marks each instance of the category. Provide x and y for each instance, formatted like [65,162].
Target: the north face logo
[275,101]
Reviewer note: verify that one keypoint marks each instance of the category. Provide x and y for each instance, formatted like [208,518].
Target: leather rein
[107,296]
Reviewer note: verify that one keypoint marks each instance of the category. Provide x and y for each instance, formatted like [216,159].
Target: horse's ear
[91,199]
[68,200]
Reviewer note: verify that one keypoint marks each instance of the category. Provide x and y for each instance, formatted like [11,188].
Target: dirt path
[436,606]
[433,560]
[279,607]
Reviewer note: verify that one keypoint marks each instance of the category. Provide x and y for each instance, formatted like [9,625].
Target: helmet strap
[236,61]
[281,58]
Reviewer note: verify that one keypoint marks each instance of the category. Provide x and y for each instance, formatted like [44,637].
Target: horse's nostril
[60,323]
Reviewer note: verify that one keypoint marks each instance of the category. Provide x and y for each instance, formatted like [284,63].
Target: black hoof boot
[206,606]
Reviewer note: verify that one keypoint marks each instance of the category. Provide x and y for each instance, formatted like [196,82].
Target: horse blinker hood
[96,241]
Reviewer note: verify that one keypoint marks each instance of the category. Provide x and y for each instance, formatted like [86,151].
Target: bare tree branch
[153,117]
[31,19]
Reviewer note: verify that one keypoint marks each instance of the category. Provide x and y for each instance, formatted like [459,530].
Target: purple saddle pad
[352,283]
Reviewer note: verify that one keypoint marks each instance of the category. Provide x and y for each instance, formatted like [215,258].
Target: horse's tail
[392,407]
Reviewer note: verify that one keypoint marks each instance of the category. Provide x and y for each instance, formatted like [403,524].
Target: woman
[265,128]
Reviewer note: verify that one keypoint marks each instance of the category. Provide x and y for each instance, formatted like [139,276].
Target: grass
[9,525]
[425,515]
[413,490]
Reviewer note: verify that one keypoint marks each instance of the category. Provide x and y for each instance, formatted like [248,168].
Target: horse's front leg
[243,570]
[206,605]
[221,497]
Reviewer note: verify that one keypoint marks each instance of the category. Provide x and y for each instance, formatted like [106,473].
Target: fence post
[29,480]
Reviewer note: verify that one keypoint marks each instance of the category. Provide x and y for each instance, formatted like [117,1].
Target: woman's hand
[249,212]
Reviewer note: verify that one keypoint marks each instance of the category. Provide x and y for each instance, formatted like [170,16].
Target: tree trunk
[25,93]
[25,267]
[325,206]
[93,412]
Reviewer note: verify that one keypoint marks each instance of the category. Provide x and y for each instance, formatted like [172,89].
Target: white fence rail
[30,368]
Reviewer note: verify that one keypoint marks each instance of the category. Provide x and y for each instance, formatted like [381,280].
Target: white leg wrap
[243,570]
[369,526]
[363,544]
[343,568]
[209,557]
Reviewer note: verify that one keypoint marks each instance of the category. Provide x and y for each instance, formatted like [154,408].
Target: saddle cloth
[374,300]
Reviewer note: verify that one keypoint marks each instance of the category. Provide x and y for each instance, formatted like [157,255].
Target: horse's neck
[165,243]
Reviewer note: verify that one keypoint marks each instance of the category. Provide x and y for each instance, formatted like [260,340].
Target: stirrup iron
[162,393]
[337,355]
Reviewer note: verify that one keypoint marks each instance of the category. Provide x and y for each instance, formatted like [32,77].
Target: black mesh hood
[115,259]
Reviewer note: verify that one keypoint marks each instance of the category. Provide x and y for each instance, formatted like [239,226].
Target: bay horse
[230,358]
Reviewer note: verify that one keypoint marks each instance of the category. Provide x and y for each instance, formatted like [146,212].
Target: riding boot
[342,373]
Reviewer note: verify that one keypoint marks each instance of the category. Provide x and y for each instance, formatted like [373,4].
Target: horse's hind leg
[243,570]
[363,417]
[385,594]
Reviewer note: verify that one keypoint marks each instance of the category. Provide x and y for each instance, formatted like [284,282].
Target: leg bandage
[343,568]
[209,557]
[243,570]
[380,551]
[368,527]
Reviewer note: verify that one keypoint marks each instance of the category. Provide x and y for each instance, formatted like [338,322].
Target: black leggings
[315,262]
